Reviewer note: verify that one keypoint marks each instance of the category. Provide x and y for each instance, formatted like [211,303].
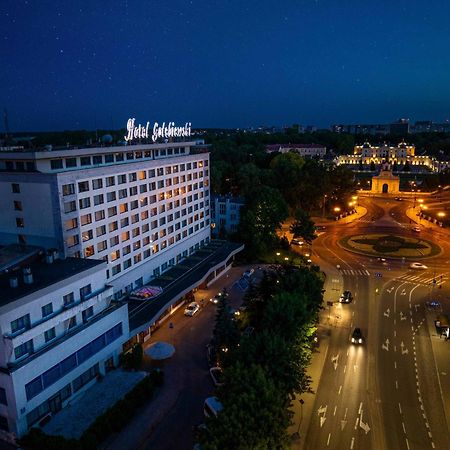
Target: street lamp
[337,209]
[441,214]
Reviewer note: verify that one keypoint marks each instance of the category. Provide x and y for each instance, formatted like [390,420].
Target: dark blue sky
[237,63]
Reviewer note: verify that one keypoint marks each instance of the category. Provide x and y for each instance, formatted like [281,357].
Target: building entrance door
[385,188]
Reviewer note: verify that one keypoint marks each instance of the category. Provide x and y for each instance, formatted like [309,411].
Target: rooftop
[178,280]
[275,147]
[14,258]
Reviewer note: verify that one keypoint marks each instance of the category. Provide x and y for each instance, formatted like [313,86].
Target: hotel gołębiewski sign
[158,131]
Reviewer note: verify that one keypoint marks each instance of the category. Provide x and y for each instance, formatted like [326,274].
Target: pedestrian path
[424,279]
[362,272]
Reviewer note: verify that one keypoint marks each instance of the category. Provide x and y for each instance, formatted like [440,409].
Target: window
[85,203]
[133,190]
[3,400]
[15,188]
[101,246]
[135,232]
[112,211]
[142,175]
[99,215]
[87,235]
[127,264]
[85,160]
[110,181]
[56,164]
[71,162]
[121,179]
[70,207]
[114,241]
[125,236]
[113,226]
[124,222]
[130,155]
[22,323]
[123,193]
[85,377]
[98,199]
[142,188]
[134,204]
[87,314]
[19,222]
[137,258]
[132,176]
[135,218]
[50,334]
[110,196]
[85,291]
[72,322]
[89,251]
[97,183]
[72,240]
[109,159]
[126,250]
[68,299]
[123,208]
[24,349]
[68,189]
[86,219]
[116,269]
[119,157]
[97,159]
[115,255]
[83,186]
[47,309]
[100,231]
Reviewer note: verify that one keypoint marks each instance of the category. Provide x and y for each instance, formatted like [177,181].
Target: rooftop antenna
[5,121]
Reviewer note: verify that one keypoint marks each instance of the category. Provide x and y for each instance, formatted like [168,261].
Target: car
[381,259]
[216,298]
[192,309]
[216,375]
[248,273]
[416,229]
[357,337]
[296,241]
[346,297]
[321,227]
[418,266]
[399,199]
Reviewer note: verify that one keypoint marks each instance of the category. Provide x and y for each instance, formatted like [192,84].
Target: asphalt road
[384,394]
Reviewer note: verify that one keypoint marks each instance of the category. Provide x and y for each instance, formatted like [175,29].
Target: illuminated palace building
[366,154]
[141,208]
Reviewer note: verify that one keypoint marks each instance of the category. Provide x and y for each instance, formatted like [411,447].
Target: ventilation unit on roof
[27,276]
[13,282]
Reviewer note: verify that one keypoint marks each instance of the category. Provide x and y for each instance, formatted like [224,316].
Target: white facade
[58,334]
[305,150]
[141,208]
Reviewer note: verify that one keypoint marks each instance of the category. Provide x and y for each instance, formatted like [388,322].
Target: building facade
[140,208]
[225,215]
[60,330]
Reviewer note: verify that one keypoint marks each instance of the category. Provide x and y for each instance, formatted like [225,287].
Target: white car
[419,266]
[191,309]
[216,375]
[416,229]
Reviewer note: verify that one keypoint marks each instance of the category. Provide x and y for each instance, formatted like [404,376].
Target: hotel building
[140,208]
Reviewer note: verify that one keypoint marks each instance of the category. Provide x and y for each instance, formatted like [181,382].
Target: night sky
[237,63]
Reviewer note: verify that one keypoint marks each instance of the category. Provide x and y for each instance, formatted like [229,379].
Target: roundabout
[389,245]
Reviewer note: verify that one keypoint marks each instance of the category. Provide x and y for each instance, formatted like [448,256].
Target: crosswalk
[436,280]
[355,272]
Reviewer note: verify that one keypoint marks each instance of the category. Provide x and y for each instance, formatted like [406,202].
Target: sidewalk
[411,213]
[360,212]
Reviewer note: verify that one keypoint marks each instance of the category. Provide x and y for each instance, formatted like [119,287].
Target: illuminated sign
[158,131]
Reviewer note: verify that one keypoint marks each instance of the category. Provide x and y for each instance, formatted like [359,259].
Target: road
[384,394]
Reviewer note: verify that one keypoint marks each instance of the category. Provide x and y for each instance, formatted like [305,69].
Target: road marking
[352,443]
[400,408]
[396,384]
[334,412]
[387,312]
[355,367]
[364,426]
[395,364]
[334,360]
[407,443]
[404,429]
[395,333]
[385,346]
[322,421]
[345,368]
[356,423]
[360,408]
[404,349]
[429,434]
[328,440]
[340,389]
[322,410]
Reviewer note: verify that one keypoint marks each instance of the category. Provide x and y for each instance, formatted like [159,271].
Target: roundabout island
[390,245]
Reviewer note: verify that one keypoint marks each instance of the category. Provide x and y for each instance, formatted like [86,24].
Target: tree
[254,416]
[406,167]
[303,226]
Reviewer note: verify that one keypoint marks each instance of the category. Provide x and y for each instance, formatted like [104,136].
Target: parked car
[418,266]
[321,227]
[346,297]
[357,337]
[416,229]
[216,375]
[297,241]
[192,309]
[399,199]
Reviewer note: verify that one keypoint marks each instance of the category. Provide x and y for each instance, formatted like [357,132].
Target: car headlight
[360,341]
[353,339]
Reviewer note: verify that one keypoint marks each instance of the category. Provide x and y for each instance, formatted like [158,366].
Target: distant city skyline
[222,64]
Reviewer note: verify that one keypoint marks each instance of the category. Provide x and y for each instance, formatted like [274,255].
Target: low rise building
[225,214]
[60,329]
[305,150]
